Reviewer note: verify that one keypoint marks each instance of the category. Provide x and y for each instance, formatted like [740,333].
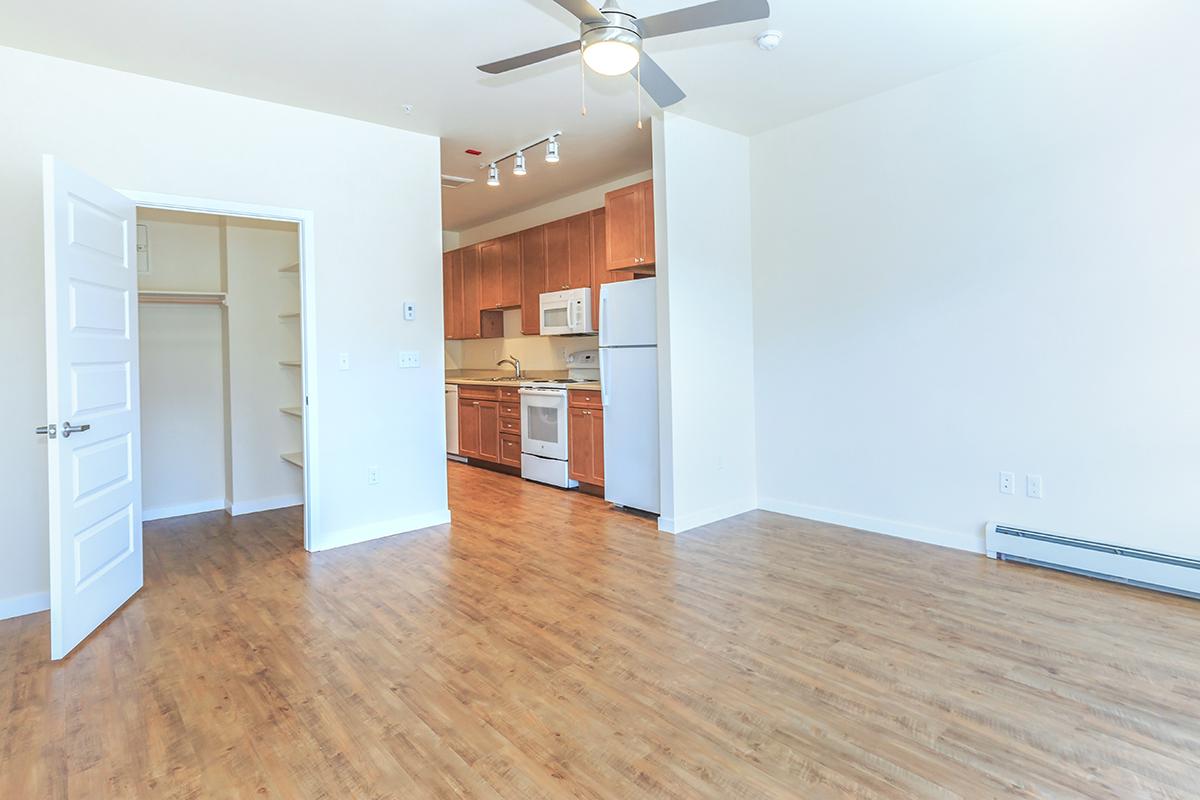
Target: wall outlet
[372,476]
[409,359]
[1033,486]
[1008,483]
[343,361]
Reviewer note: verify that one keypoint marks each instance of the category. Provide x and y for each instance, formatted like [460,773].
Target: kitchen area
[551,352]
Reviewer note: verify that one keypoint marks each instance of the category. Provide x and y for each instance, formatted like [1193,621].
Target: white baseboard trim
[971,542]
[379,530]
[24,604]
[166,512]
[264,504]
[686,522]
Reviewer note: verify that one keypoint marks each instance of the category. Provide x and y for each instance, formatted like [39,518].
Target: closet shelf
[293,411]
[293,315]
[182,298]
[291,268]
[289,363]
[294,458]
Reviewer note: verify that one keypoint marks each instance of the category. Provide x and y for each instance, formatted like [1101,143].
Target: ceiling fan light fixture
[552,150]
[519,163]
[493,175]
[612,50]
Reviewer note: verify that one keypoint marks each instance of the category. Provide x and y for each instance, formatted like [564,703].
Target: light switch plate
[343,361]
[410,359]
[410,310]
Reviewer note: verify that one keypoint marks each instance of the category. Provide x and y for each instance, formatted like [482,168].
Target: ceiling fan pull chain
[582,86]
[639,92]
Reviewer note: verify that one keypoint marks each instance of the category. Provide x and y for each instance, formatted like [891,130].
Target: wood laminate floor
[547,646]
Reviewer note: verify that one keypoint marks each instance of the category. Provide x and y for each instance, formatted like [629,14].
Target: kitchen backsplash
[535,352]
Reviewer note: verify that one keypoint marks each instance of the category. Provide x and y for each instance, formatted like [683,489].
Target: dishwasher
[452,423]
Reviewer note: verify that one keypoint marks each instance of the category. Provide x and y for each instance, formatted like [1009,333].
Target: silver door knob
[47,430]
[68,429]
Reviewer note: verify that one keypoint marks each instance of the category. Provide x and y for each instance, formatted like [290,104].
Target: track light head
[552,150]
[519,164]
[493,175]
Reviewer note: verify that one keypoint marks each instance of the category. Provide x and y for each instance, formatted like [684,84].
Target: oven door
[544,423]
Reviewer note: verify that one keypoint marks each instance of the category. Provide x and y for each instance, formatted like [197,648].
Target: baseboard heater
[1150,570]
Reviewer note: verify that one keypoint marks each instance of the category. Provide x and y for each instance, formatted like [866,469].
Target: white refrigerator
[629,392]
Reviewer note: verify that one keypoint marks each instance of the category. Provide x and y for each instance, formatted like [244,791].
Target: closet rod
[182,298]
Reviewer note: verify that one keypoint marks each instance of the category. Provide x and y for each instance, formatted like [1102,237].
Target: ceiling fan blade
[582,9]
[705,15]
[658,84]
[546,53]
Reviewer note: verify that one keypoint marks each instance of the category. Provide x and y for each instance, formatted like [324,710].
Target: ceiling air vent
[453,182]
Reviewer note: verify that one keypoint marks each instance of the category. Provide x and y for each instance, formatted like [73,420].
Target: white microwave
[566,313]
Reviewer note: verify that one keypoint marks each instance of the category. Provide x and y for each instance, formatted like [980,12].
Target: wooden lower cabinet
[585,434]
[479,423]
[510,449]
[489,430]
[468,427]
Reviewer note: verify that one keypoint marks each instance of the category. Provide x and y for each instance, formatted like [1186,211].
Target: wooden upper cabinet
[558,256]
[630,226]
[510,271]
[600,272]
[471,285]
[579,251]
[533,278]
[489,275]
[569,253]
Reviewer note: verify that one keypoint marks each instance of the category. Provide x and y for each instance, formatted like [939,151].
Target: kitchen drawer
[510,449]
[478,392]
[510,425]
[584,398]
[508,409]
[513,394]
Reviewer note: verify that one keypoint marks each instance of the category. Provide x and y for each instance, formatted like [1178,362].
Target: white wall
[374,193]
[993,269]
[706,335]
[258,385]
[183,418]
[182,369]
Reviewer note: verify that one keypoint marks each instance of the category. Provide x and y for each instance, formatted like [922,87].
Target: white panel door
[92,398]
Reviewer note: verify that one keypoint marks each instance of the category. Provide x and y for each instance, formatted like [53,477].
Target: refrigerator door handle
[603,321]
[604,376]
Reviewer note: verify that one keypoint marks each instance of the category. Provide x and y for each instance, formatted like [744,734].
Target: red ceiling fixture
[473,152]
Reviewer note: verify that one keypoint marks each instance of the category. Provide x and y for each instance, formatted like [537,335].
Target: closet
[220,348]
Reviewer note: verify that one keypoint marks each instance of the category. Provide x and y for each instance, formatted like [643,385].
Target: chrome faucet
[514,362]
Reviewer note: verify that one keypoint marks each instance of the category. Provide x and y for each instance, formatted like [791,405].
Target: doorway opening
[220,335]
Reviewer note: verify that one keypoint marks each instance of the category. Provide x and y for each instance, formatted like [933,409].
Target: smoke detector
[768,40]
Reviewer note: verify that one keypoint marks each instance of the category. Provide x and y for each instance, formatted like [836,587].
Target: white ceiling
[367,58]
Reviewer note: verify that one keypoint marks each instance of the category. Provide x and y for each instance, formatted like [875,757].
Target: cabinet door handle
[475,403]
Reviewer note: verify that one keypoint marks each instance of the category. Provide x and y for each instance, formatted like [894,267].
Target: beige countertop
[512,382]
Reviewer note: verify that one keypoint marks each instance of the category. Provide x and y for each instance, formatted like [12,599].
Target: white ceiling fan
[611,39]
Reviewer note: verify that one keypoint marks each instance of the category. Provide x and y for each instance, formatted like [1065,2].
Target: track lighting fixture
[518,157]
